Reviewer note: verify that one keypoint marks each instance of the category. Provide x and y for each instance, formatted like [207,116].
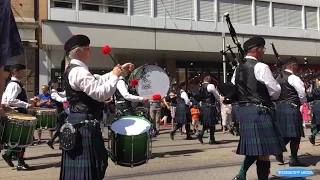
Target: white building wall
[287,18]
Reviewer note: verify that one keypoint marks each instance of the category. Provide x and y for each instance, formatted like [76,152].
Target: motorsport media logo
[295,172]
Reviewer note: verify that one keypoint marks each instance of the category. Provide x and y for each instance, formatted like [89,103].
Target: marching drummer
[16,96]
[87,158]
[124,97]
[57,98]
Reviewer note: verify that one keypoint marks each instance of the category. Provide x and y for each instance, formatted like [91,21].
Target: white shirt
[264,75]
[58,96]
[298,85]
[123,89]
[97,87]
[185,97]
[213,90]
[11,93]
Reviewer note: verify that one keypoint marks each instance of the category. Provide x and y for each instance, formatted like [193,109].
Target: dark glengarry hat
[253,42]
[316,75]
[7,68]
[17,67]
[76,41]
[52,82]
[289,60]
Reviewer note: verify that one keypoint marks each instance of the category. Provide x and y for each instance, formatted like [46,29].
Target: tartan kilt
[182,114]
[208,115]
[259,134]
[316,112]
[289,120]
[235,113]
[88,160]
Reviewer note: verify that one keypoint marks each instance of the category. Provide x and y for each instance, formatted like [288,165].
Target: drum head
[152,80]
[20,116]
[130,126]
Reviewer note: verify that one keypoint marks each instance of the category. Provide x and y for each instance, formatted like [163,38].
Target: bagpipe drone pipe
[229,90]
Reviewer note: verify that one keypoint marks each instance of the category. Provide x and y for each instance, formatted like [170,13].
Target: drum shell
[121,148]
[14,128]
[46,119]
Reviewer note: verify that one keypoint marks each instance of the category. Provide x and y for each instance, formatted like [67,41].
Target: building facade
[26,18]
[183,36]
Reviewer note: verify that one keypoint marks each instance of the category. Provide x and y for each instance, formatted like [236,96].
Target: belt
[292,104]
[86,123]
[257,105]
[208,104]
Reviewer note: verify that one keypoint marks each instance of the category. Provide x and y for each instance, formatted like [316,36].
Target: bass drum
[152,80]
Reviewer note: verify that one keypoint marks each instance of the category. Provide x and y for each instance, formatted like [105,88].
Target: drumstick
[106,50]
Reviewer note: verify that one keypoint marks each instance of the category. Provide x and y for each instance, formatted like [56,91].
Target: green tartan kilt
[88,160]
[315,112]
[208,115]
[289,120]
[182,114]
[259,134]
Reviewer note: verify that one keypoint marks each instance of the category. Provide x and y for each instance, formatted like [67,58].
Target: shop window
[63,4]
[90,7]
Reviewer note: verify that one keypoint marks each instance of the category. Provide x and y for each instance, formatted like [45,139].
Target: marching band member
[288,116]
[208,96]
[16,96]
[315,105]
[256,86]
[124,96]
[182,112]
[58,98]
[84,156]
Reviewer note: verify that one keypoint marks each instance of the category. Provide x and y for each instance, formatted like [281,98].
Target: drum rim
[23,122]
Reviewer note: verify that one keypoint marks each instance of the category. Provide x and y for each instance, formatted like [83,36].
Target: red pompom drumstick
[106,50]
[156,97]
[134,82]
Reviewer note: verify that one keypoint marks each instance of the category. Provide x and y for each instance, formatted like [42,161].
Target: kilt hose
[208,114]
[259,135]
[88,160]
[289,120]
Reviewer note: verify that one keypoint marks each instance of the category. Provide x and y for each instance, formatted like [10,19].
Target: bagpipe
[228,90]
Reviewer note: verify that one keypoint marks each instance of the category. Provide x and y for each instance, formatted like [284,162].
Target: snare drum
[129,141]
[18,129]
[152,80]
[46,118]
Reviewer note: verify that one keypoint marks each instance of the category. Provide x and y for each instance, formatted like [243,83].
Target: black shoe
[50,144]
[214,142]
[200,138]
[237,178]
[188,138]
[25,167]
[312,140]
[296,163]
[8,160]
[279,158]
[172,135]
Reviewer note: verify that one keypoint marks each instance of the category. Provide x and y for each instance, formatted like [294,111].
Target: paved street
[178,159]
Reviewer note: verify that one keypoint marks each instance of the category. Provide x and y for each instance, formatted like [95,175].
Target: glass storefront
[190,72]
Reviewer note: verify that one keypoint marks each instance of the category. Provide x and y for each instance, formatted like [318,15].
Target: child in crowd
[195,113]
